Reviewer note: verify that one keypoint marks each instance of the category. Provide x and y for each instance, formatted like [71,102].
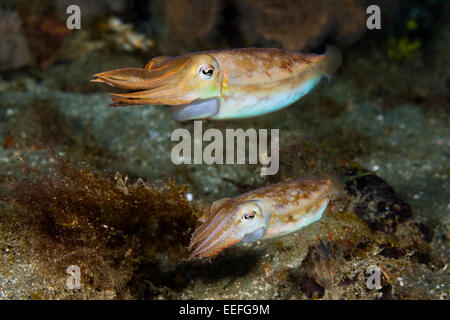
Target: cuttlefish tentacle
[223,84]
[264,213]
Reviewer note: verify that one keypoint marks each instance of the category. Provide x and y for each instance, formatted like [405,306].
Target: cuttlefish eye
[249,215]
[206,72]
[254,221]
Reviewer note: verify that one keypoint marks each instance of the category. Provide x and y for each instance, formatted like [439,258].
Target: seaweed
[106,227]
[404,47]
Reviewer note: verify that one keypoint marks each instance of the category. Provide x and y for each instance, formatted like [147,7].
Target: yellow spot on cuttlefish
[224,84]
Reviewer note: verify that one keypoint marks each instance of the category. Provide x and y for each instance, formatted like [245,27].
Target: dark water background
[385,111]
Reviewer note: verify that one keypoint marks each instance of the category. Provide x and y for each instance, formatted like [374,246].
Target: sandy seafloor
[383,116]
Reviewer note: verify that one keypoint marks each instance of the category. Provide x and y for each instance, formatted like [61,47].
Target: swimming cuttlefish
[264,213]
[223,84]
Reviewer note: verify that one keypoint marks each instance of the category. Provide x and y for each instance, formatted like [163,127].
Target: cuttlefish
[222,84]
[264,213]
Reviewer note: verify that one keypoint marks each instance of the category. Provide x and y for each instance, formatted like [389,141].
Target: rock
[185,22]
[377,204]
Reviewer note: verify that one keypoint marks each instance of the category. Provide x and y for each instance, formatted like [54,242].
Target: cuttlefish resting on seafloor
[223,84]
[264,213]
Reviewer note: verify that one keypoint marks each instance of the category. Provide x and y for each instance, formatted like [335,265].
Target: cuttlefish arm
[264,213]
[222,84]
[189,83]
